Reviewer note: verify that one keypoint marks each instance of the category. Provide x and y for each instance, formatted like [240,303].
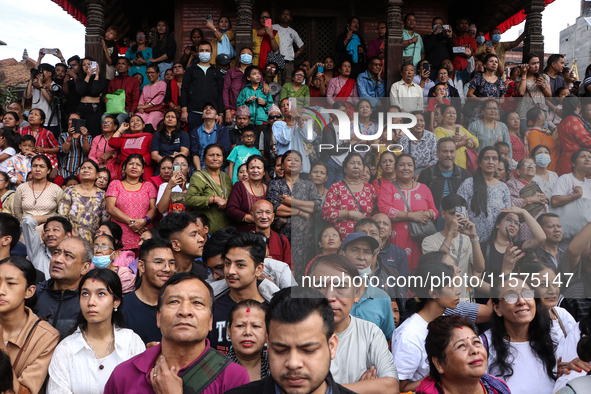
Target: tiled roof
[16,73]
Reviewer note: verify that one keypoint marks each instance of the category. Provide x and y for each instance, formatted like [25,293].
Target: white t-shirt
[288,37]
[547,186]
[529,372]
[408,349]
[565,183]
[568,321]
[39,101]
[567,349]
[361,345]
[4,164]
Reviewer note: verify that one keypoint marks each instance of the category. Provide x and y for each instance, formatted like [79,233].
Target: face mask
[543,160]
[246,58]
[223,71]
[204,57]
[496,38]
[480,40]
[435,27]
[101,261]
[365,271]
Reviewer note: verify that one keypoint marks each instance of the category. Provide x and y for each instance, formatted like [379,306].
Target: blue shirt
[369,88]
[167,146]
[374,306]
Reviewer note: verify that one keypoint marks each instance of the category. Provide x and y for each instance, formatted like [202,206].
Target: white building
[575,40]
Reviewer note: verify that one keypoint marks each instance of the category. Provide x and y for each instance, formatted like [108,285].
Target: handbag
[573,216]
[116,102]
[418,231]
[471,160]
[276,58]
[159,107]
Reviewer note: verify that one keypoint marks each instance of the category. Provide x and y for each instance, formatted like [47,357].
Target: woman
[351,48]
[489,130]
[556,113]
[7,146]
[538,134]
[343,87]
[38,197]
[520,347]
[136,141]
[544,178]
[329,71]
[513,124]
[100,150]
[73,147]
[151,105]
[329,242]
[45,142]
[246,330]
[108,255]
[163,48]
[486,84]
[165,171]
[112,229]
[29,341]
[527,194]
[457,359]
[103,179]
[84,204]
[533,87]
[140,55]
[277,168]
[296,200]
[387,166]
[6,196]
[404,194]
[224,39]
[350,200]
[463,138]
[90,86]
[485,194]
[424,149]
[173,88]
[574,130]
[209,189]
[11,120]
[190,55]
[245,193]
[234,82]
[318,176]
[84,360]
[170,140]
[503,172]
[243,173]
[171,195]
[297,88]
[574,185]
[408,340]
[131,202]
[264,40]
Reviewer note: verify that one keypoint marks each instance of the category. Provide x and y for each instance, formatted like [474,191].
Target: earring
[499,315]
[440,370]
[115,309]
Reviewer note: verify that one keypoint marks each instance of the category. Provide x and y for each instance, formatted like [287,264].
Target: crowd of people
[173,231]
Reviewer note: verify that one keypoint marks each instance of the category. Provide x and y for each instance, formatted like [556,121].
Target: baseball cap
[222,59]
[361,236]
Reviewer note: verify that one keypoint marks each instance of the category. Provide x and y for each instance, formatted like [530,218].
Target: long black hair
[113,283]
[569,105]
[431,267]
[479,203]
[28,271]
[584,346]
[161,41]
[126,162]
[177,130]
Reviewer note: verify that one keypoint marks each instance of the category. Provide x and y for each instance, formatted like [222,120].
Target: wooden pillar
[95,32]
[393,43]
[534,40]
[243,25]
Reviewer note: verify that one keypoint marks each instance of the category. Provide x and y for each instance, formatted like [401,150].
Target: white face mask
[365,271]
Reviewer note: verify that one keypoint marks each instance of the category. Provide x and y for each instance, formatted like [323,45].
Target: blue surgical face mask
[246,58]
[543,159]
[480,40]
[496,38]
[435,27]
[204,57]
[101,261]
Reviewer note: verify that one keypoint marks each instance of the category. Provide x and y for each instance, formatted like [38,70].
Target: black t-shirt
[141,318]
[493,263]
[73,98]
[200,270]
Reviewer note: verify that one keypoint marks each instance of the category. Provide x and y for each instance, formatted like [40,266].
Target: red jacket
[133,143]
[132,91]
[458,61]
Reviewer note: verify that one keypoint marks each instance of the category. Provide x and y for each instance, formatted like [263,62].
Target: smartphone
[461,211]
[93,67]
[46,51]
[77,124]
[508,234]
[426,67]
[489,44]
[53,51]
[459,49]
[176,168]
[208,18]
[269,23]
[577,83]
[139,55]
[446,27]
[321,69]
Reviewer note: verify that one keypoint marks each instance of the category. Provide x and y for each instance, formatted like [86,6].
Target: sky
[24,25]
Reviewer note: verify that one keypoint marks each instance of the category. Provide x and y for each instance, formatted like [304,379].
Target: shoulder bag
[418,231]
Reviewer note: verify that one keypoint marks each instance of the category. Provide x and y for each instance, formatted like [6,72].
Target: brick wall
[193,14]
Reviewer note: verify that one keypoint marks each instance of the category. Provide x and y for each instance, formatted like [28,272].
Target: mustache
[294,376]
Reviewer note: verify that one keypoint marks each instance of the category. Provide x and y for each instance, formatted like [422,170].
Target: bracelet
[147,219]
[447,246]
[474,240]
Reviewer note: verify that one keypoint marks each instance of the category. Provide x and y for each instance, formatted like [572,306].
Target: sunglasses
[275,117]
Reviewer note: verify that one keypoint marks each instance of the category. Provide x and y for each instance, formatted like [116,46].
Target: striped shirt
[72,159]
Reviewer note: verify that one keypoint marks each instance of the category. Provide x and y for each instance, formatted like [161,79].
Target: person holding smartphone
[90,86]
[264,40]
[171,195]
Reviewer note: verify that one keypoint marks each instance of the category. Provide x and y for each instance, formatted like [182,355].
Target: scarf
[265,49]
[346,90]
[264,361]
[220,190]
[352,47]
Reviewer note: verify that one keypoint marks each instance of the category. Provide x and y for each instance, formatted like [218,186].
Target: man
[446,177]
[58,297]
[554,68]
[185,308]
[55,230]
[10,232]
[279,248]
[266,136]
[60,73]
[458,79]
[302,343]
[390,254]
[549,251]
[439,44]
[287,38]
[269,75]
[463,39]
[363,362]
[374,305]
[131,86]
[70,92]
[498,48]
[376,47]
[156,264]
[187,244]
[458,239]
[243,255]
[405,93]
[242,121]
[202,223]
[201,83]
[222,63]
[370,83]
[39,92]
[208,133]
[18,108]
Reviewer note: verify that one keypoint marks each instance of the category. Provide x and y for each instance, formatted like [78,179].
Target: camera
[57,90]
[36,71]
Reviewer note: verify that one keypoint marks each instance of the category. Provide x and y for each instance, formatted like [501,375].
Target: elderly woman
[424,149]
[151,105]
[100,151]
[297,88]
[131,202]
[103,179]
[297,200]
[165,168]
[485,194]
[136,141]
[343,87]
[209,189]
[406,200]
[457,359]
[544,178]
[350,200]
[107,255]
[489,130]
[264,40]
[463,138]
[351,48]
[574,130]
[171,195]
[170,140]
[139,55]
[245,193]
[84,204]
[538,134]
[73,147]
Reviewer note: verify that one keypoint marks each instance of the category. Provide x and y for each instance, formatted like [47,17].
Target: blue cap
[361,236]
[222,59]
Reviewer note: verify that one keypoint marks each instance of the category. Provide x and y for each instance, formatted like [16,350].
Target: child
[19,165]
[503,148]
[440,93]
[555,113]
[242,173]
[111,51]
[242,152]
[253,97]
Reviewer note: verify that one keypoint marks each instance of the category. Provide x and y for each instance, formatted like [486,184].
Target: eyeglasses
[104,248]
[275,117]
[161,264]
[141,35]
[271,68]
[512,298]
[299,75]
[510,222]
[108,122]
[182,164]
[443,75]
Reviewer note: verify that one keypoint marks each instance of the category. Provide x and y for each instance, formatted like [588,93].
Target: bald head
[262,212]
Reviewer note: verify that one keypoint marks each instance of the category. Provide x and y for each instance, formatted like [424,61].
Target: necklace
[101,366]
[33,189]
[252,191]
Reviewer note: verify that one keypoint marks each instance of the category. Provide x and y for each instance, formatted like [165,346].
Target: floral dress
[483,88]
[85,213]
